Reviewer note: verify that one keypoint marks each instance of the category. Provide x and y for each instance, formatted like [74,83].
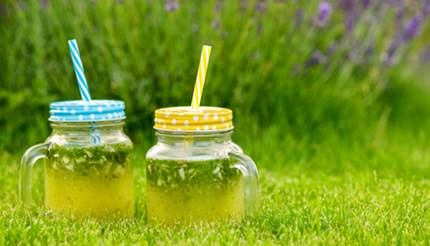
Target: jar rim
[76,124]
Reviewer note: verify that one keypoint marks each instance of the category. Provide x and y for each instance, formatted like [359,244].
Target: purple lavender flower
[324,13]
[218,6]
[368,53]
[316,59]
[410,31]
[261,6]
[425,56]
[171,5]
[44,4]
[395,2]
[426,8]
[369,50]
[216,24]
[392,49]
[412,28]
[347,5]
[350,20]
[366,3]
[331,49]
[298,20]
[400,13]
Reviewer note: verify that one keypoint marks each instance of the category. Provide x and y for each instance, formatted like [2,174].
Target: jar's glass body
[84,176]
[193,177]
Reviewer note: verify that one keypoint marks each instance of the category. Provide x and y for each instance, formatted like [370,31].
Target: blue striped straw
[82,81]
[79,70]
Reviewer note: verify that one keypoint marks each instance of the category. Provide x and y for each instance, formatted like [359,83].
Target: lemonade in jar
[195,172]
[88,167]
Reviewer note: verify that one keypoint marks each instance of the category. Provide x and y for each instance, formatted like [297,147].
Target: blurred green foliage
[271,63]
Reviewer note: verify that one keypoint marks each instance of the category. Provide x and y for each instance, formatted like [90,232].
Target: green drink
[88,168]
[179,190]
[195,172]
[84,180]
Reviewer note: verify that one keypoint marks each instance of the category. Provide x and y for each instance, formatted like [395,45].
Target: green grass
[333,184]
[328,191]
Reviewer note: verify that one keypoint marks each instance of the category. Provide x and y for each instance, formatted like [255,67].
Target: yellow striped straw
[201,74]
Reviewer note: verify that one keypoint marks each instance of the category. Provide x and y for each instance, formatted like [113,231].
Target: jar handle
[28,160]
[249,170]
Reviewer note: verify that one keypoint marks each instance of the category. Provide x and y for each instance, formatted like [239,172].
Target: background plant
[302,64]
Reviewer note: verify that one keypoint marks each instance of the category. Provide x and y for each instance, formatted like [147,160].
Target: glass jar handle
[28,160]
[249,170]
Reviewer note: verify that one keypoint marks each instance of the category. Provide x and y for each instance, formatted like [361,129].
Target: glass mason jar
[196,172]
[88,168]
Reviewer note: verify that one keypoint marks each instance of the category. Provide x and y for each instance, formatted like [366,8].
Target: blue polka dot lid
[86,111]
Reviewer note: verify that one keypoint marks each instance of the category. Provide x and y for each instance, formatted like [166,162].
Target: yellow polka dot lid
[195,118]
[189,119]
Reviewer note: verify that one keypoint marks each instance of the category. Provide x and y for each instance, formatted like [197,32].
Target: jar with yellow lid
[195,172]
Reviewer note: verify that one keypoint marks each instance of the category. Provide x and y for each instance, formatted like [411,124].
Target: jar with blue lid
[88,168]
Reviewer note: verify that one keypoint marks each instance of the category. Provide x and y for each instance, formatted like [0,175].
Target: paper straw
[79,70]
[201,75]
[82,82]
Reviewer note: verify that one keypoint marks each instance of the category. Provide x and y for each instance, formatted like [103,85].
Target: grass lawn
[327,191]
